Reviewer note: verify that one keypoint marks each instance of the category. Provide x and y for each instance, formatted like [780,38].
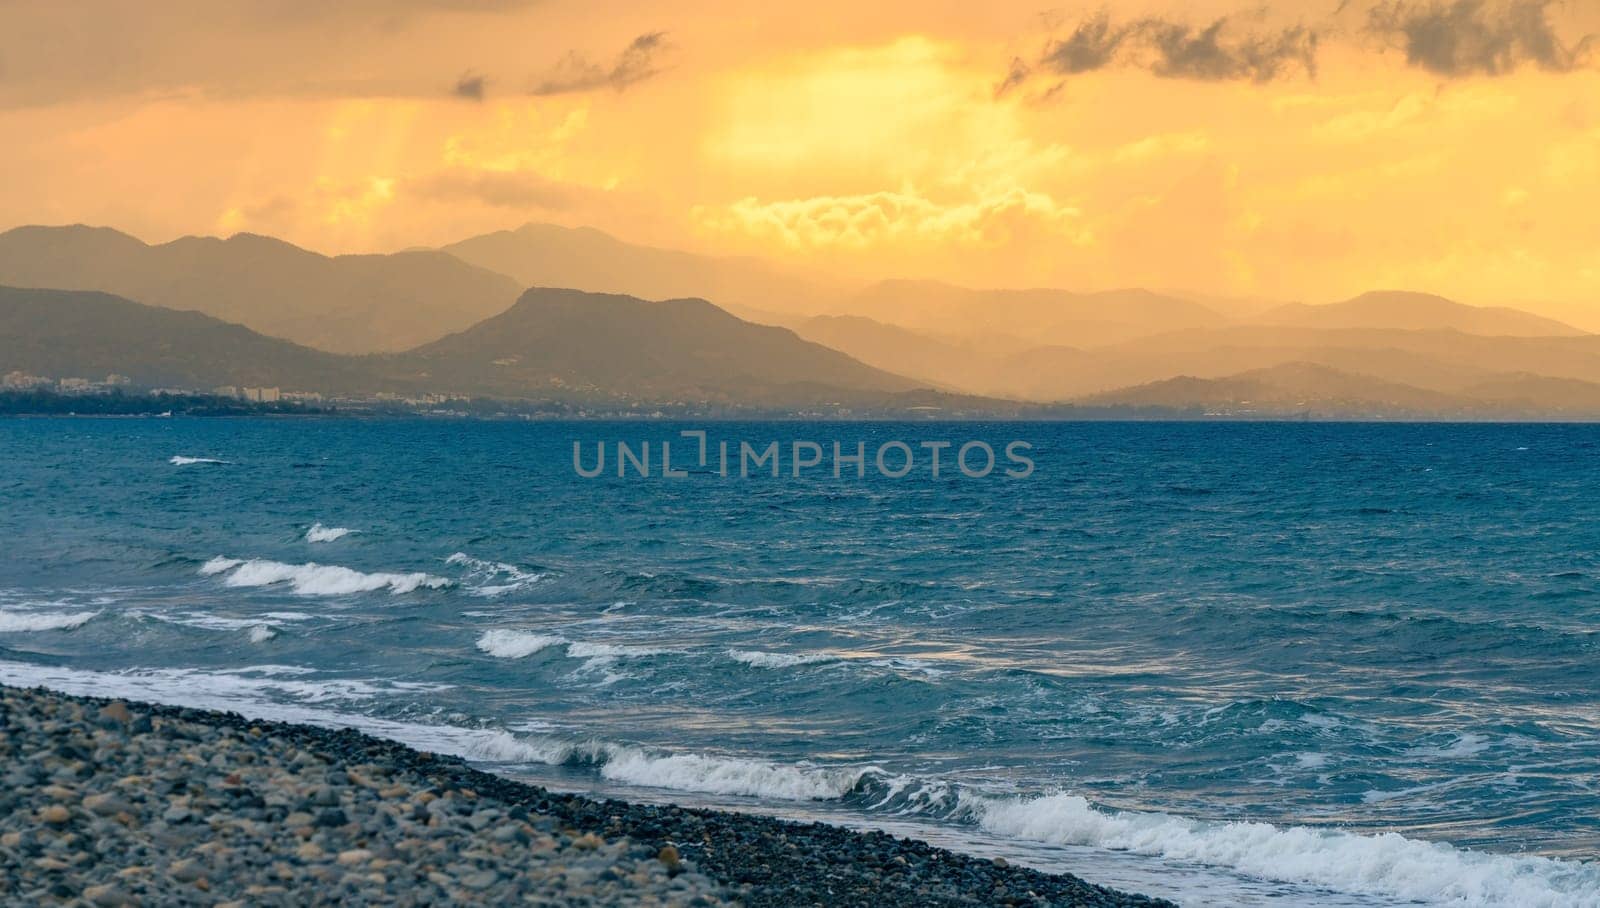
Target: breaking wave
[760,659]
[1386,864]
[508,644]
[22,622]
[312,579]
[493,578]
[320,533]
[183,461]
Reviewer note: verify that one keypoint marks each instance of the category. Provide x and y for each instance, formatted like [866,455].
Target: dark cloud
[576,72]
[1474,37]
[1174,50]
[1093,45]
[1206,54]
[470,87]
[1447,37]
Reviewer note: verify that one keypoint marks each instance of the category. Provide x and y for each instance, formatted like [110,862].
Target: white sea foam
[312,579]
[23,622]
[233,690]
[1387,864]
[320,533]
[261,633]
[611,651]
[182,461]
[510,644]
[761,659]
[730,775]
[493,578]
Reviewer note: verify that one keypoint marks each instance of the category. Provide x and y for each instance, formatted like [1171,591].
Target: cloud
[1174,50]
[519,190]
[1473,37]
[576,72]
[470,87]
[1207,55]
[860,222]
[1093,45]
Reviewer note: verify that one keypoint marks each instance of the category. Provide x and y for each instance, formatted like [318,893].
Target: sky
[1284,150]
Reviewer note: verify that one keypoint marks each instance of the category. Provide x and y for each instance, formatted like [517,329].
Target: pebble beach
[113,803]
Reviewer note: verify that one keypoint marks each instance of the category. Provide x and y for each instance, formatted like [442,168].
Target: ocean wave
[509,644]
[320,533]
[24,622]
[493,578]
[721,775]
[261,633]
[183,461]
[760,659]
[312,579]
[235,689]
[1386,864]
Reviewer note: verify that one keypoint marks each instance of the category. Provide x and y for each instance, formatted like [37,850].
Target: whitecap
[261,633]
[710,774]
[493,578]
[24,622]
[312,579]
[510,644]
[759,659]
[320,533]
[183,461]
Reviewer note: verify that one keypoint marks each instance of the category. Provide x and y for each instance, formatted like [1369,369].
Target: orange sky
[1303,150]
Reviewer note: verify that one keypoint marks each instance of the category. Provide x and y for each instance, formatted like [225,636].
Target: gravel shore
[112,803]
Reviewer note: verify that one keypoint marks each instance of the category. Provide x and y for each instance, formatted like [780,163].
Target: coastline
[113,803]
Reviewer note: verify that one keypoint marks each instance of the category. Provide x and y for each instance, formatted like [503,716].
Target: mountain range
[343,304]
[549,345]
[457,319]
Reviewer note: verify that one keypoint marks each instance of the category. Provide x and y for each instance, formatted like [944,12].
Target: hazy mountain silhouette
[552,344]
[1316,390]
[1023,318]
[1416,312]
[683,349]
[896,349]
[347,303]
[1289,387]
[86,334]
[545,255]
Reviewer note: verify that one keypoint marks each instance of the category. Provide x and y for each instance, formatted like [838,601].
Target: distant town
[23,393]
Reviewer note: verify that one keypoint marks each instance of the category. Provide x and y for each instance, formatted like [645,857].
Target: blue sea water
[1227,663]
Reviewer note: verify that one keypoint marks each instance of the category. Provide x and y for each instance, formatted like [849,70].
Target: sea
[1226,663]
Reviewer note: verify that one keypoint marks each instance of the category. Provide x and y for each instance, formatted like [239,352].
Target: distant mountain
[85,334]
[1025,318]
[545,255]
[682,349]
[1284,389]
[896,349]
[1400,310]
[346,304]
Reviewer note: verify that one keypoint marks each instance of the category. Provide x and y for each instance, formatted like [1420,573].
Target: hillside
[1287,388]
[86,334]
[675,349]
[344,304]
